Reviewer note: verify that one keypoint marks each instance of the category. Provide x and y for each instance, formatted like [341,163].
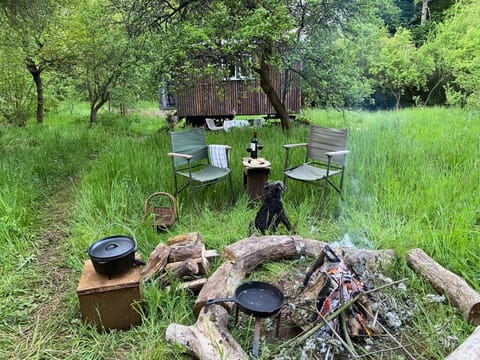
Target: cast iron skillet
[256,298]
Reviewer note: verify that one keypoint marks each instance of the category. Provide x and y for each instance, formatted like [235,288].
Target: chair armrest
[290,146]
[185,156]
[340,152]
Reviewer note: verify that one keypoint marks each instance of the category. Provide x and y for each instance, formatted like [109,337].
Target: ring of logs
[209,338]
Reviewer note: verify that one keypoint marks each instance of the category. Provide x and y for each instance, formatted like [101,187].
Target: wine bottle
[254,146]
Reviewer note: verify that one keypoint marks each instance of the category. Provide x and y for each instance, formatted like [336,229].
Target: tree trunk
[94,107]
[93,115]
[425,10]
[266,84]
[36,72]
[397,96]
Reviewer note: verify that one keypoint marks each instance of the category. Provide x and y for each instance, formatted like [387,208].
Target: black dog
[271,213]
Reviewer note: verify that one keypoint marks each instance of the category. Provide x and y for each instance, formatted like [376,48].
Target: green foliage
[334,65]
[398,65]
[409,184]
[16,90]
[455,47]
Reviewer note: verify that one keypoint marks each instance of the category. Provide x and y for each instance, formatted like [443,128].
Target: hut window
[239,72]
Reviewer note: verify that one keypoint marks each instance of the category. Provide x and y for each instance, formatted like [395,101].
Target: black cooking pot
[256,298]
[113,255]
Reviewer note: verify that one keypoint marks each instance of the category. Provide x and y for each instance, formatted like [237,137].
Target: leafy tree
[455,47]
[264,35]
[105,56]
[33,27]
[15,89]
[398,66]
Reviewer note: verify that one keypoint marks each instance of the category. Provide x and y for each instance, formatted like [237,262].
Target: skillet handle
[217,301]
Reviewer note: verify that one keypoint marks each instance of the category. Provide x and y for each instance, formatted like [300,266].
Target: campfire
[341,305]
[339,310]
[331,298]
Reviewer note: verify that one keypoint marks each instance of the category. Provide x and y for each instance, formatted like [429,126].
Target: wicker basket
[164,216]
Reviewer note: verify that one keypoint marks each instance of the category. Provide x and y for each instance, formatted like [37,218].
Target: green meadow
[412,181]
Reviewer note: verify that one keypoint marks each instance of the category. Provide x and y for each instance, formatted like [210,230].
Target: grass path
[51,280]
[56,276]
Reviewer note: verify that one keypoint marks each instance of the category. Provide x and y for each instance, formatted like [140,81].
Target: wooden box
[109,302]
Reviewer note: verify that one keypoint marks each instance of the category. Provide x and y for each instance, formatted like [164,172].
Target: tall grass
[412,181]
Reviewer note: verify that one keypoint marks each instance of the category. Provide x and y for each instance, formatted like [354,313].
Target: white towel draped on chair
[218,155]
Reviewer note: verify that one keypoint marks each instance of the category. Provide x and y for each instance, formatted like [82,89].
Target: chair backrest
[189,142]
[211,124]
[322,140]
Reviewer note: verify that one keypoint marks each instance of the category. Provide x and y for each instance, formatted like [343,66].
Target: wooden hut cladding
[227,98]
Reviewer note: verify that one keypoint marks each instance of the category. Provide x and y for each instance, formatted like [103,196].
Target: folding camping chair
[324,159]
[192,163]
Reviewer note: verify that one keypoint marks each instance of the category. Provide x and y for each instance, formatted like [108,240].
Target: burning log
[329,284]
[469,349]
[461,295]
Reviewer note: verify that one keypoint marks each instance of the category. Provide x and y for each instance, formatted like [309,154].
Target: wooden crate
[109,302]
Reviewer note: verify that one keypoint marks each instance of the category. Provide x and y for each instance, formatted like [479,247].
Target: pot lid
[112,247]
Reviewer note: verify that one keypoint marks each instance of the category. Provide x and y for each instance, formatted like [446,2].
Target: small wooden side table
[110,302]
[255,175]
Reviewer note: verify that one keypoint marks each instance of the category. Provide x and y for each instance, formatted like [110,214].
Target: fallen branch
[209,337]
[445,282]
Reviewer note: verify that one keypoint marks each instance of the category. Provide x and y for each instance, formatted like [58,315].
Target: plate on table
[259,162]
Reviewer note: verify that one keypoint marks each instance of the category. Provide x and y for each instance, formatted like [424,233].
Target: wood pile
[183,258]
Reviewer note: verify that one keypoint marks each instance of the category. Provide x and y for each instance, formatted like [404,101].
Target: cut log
[445,282]
[251,252]
[194,285]
[187,267]
[359,259]
[469,349]
[192,238]
[181,252]
[156,262]
[209,338]
[203,262]
[221,284]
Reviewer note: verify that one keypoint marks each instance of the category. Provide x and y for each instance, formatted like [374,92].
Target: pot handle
[121,225]
[217,301]
[111,246]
